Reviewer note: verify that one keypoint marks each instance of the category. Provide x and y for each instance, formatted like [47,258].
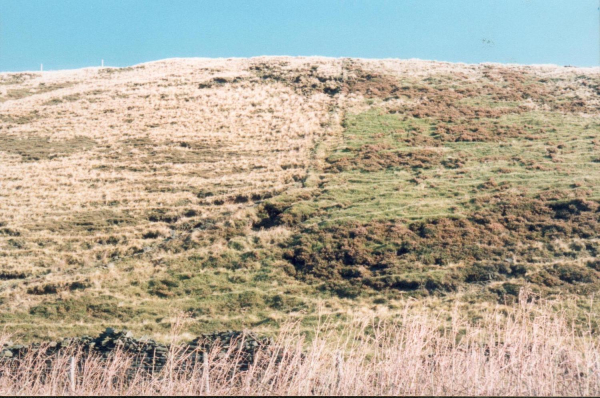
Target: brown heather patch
[453,112]
[368,82]
[447,103]
[479,131]
[504,86]
[513,85]
[497,243]
[379,157]
[557,94]
[304,80]
[354,79]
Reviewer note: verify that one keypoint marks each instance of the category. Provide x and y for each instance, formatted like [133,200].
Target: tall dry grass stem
[532,349]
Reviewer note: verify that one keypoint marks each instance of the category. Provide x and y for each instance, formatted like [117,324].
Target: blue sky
[65,34]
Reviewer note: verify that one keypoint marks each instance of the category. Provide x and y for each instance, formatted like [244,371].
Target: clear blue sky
[77,33]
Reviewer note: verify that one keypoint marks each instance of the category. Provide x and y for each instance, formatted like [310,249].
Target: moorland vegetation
[249,193]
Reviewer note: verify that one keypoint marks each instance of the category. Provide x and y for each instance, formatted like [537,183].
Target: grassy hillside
[250,192]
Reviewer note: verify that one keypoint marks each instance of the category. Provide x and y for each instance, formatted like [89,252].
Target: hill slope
[249,191]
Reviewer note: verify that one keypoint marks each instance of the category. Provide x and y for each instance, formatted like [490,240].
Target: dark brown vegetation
[512,240]
[378,157]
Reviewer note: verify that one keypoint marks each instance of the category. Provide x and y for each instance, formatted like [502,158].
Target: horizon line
[299,56]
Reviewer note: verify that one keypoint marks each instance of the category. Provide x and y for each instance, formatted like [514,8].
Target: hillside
[248,192]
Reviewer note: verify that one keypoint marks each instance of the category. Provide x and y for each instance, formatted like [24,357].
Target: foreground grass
[532,349]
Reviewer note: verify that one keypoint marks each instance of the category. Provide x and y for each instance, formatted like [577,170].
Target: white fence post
[72,374]
[206,376]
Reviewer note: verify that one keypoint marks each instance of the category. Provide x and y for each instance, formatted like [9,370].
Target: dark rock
[148,353]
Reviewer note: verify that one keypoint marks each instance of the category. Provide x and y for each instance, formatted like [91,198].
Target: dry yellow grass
[101,164]
[533,350]
[154,140]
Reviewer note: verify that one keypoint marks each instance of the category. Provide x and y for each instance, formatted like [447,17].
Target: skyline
[69,34]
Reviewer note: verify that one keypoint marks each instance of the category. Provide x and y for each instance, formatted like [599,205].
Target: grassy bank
[533,349]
